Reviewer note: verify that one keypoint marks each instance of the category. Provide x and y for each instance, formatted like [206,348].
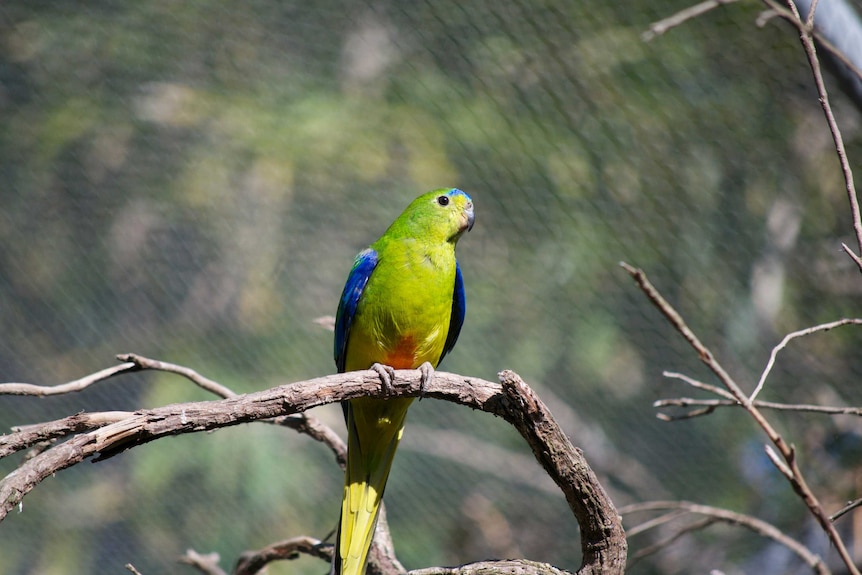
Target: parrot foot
[387,374]
[427,374]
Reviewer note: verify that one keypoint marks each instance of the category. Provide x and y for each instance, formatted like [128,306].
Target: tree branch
[602,538]
[25,436]
[206,564]
[205,383]
[806,37]
[791,336]
[252,562]
[754,524]
[712,404]
[70,387]
[786,452]
[681,17]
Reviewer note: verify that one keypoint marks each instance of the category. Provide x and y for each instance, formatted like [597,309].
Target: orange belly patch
[403,355]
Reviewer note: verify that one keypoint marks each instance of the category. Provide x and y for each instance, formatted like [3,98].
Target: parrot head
[443,214]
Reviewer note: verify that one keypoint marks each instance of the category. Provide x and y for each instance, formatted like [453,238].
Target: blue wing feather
[363,266]
[459,308]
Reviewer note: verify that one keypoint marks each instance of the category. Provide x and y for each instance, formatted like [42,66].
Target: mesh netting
[190,181]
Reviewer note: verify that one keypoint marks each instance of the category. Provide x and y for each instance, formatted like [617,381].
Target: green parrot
[402,308]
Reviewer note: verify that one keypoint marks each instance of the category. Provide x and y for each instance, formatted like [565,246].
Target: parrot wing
[363,267]
[459,308]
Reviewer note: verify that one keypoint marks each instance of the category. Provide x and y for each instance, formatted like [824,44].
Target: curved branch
[252,562]
[754,524]
[205,383]
[70,387]
[131,362]
[602,539]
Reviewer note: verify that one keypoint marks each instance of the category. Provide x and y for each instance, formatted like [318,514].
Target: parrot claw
[427,374]
[387,375]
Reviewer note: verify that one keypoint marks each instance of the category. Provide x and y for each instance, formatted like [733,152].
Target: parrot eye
[443,200]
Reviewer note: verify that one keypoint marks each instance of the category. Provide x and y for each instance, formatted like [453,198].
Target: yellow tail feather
[374,428]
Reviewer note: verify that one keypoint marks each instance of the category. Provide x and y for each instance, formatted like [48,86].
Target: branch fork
[103,435]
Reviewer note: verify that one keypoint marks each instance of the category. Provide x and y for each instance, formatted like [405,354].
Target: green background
[191,180]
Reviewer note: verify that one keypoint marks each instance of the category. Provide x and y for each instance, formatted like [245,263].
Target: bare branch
[654,522]
[672,538]
[687,415]
[712,404]
[776,460]
[681,17]
[699,385]
[806,37]
[792,336]
[206,564]
[131,362]
[788,454]
[24,436]
[203,382]
[809,20]
[602,542]
[70,387]
[846,509]
[252,562]
[754,524]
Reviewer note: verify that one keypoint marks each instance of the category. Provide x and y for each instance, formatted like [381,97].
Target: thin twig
[681,17]
[791,336]
[131,362]
[806,37]
[777,11]
[716,403]
[206,564]
[70,387]
[846,509]
[687,415]
[779,464]
[654,522]
[205,383]
[699,384]
[809,20]
[753,523]
[786,451]
[673,537]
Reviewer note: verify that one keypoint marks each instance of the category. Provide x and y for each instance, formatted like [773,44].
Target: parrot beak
[468,217]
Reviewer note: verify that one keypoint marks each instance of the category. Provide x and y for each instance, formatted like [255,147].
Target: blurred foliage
[190,181]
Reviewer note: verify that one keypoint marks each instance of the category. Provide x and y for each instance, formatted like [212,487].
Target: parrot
[402,307]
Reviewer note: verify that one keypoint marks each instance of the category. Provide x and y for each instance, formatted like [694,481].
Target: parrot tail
[374,428]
